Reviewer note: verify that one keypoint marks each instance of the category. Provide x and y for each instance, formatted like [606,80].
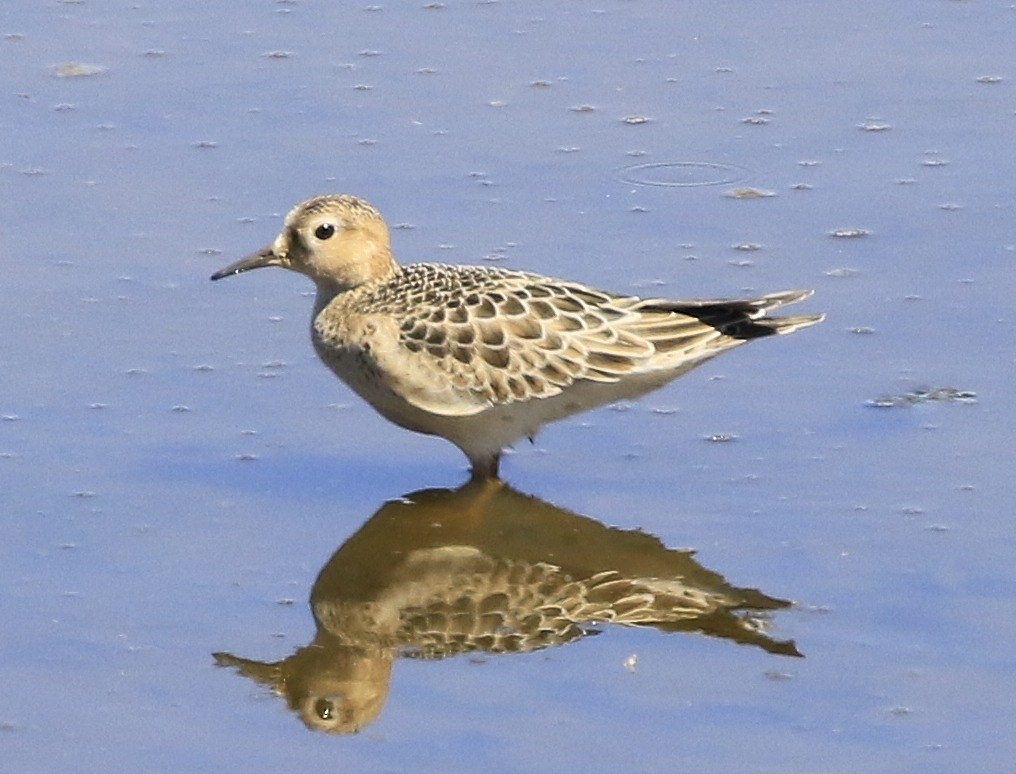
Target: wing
[516,337]
[681,329]
[471,337]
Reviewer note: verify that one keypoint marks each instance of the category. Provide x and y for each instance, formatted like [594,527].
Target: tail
[743,319]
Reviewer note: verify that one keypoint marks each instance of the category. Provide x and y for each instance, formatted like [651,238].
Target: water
[176,468]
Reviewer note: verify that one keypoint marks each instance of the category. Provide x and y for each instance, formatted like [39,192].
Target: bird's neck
[328,289]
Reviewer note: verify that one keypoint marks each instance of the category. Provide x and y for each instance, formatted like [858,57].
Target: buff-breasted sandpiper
[484,356]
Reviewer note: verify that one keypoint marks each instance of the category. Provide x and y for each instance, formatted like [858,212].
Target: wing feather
[473,337]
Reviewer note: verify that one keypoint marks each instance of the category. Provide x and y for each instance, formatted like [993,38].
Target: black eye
[324,231]
[324,708]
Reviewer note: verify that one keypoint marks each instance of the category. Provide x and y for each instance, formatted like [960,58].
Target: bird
[484,356]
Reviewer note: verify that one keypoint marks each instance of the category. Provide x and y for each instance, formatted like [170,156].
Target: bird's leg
[484,467]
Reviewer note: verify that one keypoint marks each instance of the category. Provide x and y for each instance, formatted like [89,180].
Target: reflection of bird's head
[333,689]
[337,689]
[344,706]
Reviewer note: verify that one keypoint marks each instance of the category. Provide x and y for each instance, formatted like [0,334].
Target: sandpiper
[484,356]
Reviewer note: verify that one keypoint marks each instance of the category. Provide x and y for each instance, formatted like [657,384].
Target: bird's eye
[324,708]
[324,231]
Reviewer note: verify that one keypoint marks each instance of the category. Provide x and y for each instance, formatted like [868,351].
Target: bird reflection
[487,569]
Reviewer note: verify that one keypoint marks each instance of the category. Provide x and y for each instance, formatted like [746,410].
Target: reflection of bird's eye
[324,231]
[324,709]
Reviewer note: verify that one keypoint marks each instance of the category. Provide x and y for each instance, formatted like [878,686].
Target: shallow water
[176,468]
